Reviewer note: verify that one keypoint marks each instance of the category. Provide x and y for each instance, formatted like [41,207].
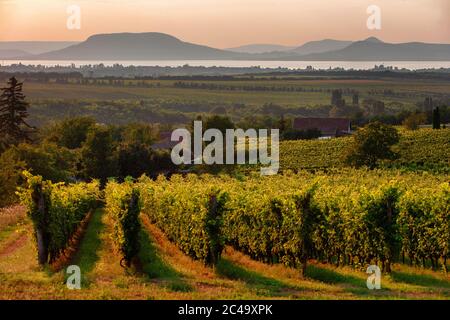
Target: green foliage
[161,162]
[313,154]
[56,211]
[436,118]
[303,220]
[13,112]
[138,133]
[272,227]
[70,133]
[372,143]
[10,177]
[417,150]
[382,213]
[414,120]
[425,223]
[353,217]
[221,123]
[422,149]
[46,160]
[134,159]
[189,211]
[123,206]
[97,154]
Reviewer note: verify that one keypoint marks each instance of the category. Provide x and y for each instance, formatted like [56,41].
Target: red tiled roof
[163,135]
[325,125]
[165,141]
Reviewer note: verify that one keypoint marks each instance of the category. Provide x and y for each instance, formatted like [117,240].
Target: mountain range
[33,47]
[160,46]
[260,48]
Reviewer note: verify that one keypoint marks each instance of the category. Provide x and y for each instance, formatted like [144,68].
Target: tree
[336,98]
[370,144]
[69,133]
[13,112]
[436,118]
[413,121]
[218,122]
[47,160]
[139,133]
[10,175]
[97,155]
[134,159]
[374,107]
[282,124]
[355,99]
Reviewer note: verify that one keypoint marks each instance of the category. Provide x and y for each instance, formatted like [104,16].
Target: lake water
[359,65]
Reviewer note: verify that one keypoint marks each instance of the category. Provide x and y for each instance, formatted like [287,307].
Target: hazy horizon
[229,23]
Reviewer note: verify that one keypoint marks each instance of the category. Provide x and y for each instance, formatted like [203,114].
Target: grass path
[166,273]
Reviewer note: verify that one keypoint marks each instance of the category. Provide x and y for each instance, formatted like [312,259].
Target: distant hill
[373,49]
[260,48]
[160,46]
[35,47]
[321,46]
[12,53]
[137,46]
[307,48]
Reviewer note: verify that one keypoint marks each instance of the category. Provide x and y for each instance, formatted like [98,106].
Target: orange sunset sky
[227,23]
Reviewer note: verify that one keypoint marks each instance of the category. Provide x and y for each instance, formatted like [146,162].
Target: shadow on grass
[348,282]
[87,255]
[331,276]
[263,285]
[420,280]
[155,268]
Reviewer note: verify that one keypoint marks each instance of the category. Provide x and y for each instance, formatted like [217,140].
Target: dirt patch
[11,215]
[13,245]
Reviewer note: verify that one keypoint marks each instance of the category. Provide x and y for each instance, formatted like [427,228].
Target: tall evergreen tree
[436,118]
[13,112]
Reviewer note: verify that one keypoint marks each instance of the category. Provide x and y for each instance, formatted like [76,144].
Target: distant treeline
[214,86]
[41,76]
[117,70]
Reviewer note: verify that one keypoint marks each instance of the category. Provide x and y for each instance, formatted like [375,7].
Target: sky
[229,23]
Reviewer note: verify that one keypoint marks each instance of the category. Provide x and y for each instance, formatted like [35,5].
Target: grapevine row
[189,213]
[123,207]
[56,211]
[352,217]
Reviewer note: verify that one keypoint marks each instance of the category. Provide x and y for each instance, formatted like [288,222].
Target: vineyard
[56,211]
[122,205]
[316,231]
[421,149]
[355,218]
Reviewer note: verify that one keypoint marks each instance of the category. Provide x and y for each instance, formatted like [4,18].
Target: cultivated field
[177,101]
[164,269]
[299,235]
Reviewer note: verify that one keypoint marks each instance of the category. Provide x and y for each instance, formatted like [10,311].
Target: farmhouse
[329,127]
